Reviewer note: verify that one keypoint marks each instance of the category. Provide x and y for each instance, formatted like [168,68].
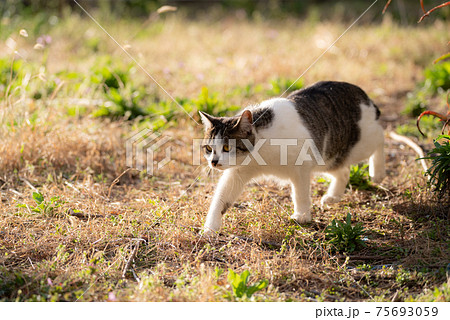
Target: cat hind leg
[377,170]
[337,186]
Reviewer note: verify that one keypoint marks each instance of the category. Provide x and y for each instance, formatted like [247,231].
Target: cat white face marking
[220,153]
[214,152]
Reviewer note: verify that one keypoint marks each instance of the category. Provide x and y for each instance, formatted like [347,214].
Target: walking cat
[323,128]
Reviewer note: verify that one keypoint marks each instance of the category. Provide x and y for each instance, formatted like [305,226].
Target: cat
[325,128]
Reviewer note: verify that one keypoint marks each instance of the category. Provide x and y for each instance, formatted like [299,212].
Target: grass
[359,177]
[343,236]
[439,171]
[48,208]
[430,126]
[437,80]
[240,288]
[69,230]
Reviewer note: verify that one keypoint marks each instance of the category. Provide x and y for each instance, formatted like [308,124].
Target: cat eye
[226,148]
[208,149]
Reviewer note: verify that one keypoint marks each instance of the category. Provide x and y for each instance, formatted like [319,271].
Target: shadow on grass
[424,212]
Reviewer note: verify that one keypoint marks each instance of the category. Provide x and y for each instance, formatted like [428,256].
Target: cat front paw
[207,232]
[329,199]
[212,227]
[378,178]
[302,217]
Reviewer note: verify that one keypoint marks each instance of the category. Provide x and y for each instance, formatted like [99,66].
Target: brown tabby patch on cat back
[262,118]
[330,110]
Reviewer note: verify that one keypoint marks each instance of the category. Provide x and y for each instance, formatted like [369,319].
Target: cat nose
[214,162]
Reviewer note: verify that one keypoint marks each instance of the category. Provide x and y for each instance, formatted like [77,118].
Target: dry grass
[58,256]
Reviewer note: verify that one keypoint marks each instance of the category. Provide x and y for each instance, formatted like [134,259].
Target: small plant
[417,102]
[280,85]
[122,103]
[211,104]
[343,236]
[108,74]
[439,171]
[248,91]
[429,126]
[324,180]
[437,294]
[9,70]
[208,102]
[364,267]
[403,276]
[359,177]
[44,207]
[122,99]
[240,287]
[443,118]
[437,77]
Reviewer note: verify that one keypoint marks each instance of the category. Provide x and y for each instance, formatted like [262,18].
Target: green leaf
[239,285]
[38,197]
[256,287]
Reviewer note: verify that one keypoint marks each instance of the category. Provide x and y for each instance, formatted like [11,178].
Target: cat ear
[206,120]
[245,123]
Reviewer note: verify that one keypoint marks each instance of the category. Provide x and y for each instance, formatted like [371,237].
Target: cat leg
[337,187]
[301,197]
[228,190]
[377,169]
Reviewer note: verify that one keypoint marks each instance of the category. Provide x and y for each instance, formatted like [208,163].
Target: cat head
[227,139]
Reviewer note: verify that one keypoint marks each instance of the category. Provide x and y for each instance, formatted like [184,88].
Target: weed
[429,126]
[439,172]
[364,267]
[9,70]
[109,74]
[437,77]
[218,272]
[343,236]
[240,287]
[403,276]
[248,90]
[10,281]
[211,104]
[287,238]
[47,208]
[359,177]
[417,103]
[324,180]
[438,294]
[441,117]
[280,85]
[124,103]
